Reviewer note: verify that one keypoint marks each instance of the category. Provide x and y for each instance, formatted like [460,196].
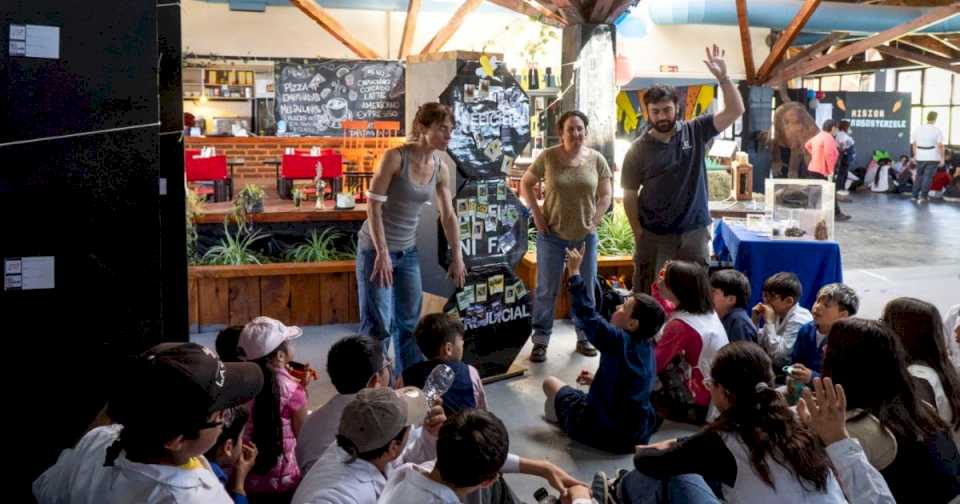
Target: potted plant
[250,199]
[235,249]
[321,247]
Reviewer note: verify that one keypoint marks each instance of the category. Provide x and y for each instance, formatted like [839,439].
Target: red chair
[304,167]
[209,169]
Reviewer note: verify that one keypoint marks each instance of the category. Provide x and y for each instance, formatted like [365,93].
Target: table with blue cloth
[816,263]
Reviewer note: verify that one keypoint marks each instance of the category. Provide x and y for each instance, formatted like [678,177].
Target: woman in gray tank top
[388,269]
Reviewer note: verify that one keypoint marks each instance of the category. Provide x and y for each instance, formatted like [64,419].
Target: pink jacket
[823,153]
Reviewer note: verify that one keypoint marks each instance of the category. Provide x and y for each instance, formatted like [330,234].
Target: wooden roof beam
[931,17]
[786,38]
[811,51]
[930,45]
[409,28]
[334,28]
[533,8]
[447,31]
[745,44]
[919,58]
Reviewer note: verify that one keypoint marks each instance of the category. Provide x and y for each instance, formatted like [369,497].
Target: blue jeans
[391,312]
[925,173]
[638,488]
[551,256]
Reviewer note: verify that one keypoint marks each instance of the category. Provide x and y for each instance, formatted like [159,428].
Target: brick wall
[255,150]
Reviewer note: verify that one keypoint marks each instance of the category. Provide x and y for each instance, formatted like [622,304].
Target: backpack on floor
[608,297]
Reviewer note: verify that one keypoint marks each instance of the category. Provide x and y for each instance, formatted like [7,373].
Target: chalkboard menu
[315,98]
[492,115]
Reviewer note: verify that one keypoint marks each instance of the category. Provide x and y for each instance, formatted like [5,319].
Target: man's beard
[664,126]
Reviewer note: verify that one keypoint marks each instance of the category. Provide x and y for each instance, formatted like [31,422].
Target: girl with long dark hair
[757,449]
[918,326]
[278,412]
[902,436]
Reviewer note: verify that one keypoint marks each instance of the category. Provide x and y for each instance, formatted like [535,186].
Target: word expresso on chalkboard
[315,98]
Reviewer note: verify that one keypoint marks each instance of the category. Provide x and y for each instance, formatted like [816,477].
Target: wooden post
[587,81]
[745,42]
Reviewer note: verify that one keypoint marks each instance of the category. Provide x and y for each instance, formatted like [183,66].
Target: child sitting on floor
[279,410]
[688,343]
[731,293]
[782,316]
[440,337]
[169,408]
[232,454]
[616,414]
[834,302]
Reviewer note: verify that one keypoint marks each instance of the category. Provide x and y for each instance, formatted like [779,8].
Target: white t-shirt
[921,370]
[928,135]
[79,477]
[410,483]
[950,323]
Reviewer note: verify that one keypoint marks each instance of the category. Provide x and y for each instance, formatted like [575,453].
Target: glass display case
[800,209]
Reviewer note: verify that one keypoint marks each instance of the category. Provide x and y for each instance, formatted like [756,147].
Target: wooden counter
[275,210]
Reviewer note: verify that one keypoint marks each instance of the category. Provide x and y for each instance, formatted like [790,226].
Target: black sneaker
[842,217]
[539,353]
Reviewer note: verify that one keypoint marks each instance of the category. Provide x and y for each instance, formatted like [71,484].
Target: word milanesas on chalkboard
[316,98]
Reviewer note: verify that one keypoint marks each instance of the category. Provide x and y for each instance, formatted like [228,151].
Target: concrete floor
[891,248]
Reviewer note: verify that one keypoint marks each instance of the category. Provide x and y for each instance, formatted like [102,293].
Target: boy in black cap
[169,411]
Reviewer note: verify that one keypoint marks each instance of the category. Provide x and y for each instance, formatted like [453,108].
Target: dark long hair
[267,432]
[918,325]
[866,357]
[762,418]
[690,285]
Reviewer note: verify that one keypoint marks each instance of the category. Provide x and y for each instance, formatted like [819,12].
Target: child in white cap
[279,409]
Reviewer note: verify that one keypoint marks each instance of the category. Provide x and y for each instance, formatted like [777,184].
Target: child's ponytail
[267,432]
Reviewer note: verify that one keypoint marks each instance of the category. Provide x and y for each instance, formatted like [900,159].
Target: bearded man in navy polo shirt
[664,177]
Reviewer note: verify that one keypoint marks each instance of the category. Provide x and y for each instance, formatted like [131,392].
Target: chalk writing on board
[315,98]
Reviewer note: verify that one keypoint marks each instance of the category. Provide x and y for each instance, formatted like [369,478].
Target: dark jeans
[391,313]
[925,173]
[638,488]
[843,168]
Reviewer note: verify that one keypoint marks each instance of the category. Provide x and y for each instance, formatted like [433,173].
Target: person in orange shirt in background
[824,154]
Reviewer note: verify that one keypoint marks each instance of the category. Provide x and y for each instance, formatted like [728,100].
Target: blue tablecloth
[817,263]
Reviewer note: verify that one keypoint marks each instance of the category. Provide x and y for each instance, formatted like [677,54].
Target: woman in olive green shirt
[577,186]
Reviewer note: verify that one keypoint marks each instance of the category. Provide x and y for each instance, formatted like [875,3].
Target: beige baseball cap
[263,335]
[377,415]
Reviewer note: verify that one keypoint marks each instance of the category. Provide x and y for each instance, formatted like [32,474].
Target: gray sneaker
[600,488]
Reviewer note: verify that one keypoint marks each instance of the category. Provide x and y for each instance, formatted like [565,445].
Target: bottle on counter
[550,78]
[533,78]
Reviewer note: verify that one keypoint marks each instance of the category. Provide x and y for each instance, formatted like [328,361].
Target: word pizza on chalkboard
[315,98]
